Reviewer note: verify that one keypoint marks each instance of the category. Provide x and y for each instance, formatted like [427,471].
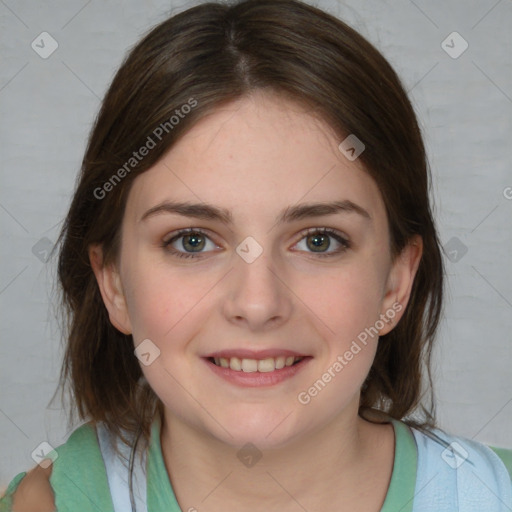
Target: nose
[257,297]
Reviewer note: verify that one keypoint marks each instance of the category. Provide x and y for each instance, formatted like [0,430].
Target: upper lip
[255,354]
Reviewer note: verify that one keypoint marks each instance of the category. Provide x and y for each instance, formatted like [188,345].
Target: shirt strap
[117,468]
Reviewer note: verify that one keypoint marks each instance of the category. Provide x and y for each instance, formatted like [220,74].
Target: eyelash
[345,244]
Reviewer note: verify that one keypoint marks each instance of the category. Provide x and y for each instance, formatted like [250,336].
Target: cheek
[168,309]
[151,309]
[348,309]
[346,301]
[160,298]
[347,304]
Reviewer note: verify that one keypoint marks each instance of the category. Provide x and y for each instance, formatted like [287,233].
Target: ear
[109,283]
[399,283]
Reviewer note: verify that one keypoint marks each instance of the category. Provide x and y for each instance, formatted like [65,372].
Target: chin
[264,429]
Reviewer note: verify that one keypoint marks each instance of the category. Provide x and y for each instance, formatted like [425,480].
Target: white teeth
[266,365]
[235,364]
[249,365]
[280,362]
[256,365]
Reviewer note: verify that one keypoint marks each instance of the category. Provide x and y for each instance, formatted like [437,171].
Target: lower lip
[258,379]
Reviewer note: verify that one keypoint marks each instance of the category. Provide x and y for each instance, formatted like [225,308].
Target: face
[263,316]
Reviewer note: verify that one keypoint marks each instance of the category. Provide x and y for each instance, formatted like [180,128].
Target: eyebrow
[205,211]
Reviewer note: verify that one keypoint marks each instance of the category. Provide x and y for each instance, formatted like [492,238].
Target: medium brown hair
[212,54]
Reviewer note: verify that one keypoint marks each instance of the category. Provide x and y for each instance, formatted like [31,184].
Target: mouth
[256,369]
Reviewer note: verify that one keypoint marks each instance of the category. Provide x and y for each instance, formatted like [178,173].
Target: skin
[34,493]
[256,157]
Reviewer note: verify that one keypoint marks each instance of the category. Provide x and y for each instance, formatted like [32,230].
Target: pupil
[318,240]
[195,241]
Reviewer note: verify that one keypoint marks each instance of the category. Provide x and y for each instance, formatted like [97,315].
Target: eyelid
[322,229]
[339,236]
[185,231]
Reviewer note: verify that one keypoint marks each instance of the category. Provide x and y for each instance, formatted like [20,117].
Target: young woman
[254,282]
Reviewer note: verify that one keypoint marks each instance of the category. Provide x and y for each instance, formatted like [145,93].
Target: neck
[336,461]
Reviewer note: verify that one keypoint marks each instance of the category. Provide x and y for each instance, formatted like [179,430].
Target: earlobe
[400,282]
[109,283]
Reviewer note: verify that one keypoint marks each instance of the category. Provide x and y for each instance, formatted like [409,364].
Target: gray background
[465,107]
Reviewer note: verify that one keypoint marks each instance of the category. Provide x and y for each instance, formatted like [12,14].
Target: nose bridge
[257,294]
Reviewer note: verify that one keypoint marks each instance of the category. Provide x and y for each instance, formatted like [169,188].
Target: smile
[269,364]
[256,369]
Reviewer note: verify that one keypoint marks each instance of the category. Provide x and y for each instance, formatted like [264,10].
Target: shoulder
[34,492]
[454,451]
[506,457]
[467,470]
[77,472]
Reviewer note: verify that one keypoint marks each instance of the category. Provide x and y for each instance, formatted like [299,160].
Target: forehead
[255,156]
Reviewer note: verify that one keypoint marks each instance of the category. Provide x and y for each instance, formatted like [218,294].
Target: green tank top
[79,479]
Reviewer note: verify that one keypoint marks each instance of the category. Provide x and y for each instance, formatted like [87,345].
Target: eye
[318,241]
[193,242]
[188,243]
